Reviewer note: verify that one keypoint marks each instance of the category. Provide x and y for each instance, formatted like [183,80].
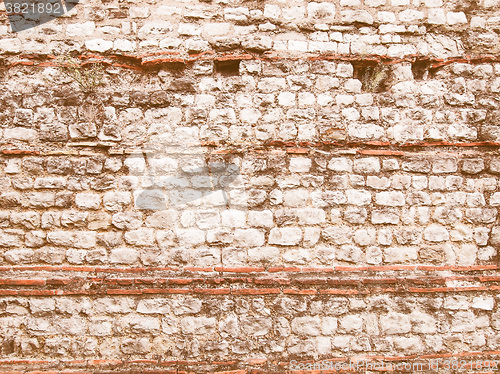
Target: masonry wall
[227,186]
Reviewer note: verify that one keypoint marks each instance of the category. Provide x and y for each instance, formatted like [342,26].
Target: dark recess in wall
[420,69]
[231,67]
[373,75]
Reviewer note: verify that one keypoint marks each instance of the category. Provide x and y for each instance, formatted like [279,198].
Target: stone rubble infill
[143,327]
[319,102]
[232,187]
[316,210]
[394,28]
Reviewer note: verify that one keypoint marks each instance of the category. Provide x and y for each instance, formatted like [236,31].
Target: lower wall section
[307,255]
[267,329]
[471,362]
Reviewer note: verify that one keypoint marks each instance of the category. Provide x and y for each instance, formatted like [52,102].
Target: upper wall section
[395,28]
[249,103]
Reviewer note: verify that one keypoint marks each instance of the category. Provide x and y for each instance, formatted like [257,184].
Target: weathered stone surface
[285,236]
[243,184]
[395,323]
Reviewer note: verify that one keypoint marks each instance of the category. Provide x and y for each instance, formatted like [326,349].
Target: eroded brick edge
[154,59]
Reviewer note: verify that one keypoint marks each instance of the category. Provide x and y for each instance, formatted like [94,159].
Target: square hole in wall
[229,67]
[420,69]
[373,75]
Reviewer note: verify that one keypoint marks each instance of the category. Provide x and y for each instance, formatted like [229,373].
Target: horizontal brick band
[250,270]
[302,148]
[243,291]
[298,285]
[254,366]
[177,57]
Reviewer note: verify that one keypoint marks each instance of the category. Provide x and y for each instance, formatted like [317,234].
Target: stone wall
[226,186]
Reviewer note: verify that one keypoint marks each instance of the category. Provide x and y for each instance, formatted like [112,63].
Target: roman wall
[245,186]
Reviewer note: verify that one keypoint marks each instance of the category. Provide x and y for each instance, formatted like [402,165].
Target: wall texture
[232,186]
